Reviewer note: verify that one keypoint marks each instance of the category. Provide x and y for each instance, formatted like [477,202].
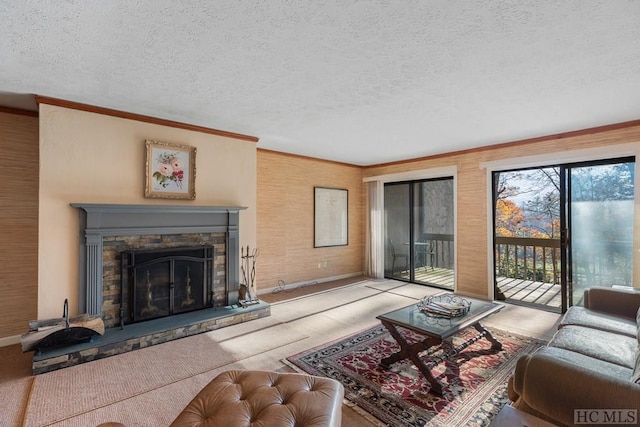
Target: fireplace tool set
[248,270]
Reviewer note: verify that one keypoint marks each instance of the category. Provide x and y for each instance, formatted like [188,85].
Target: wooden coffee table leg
[411,351]
[495,344]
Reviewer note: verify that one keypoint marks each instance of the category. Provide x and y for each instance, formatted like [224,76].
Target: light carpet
[15,384]
[69,392]
[14,393]
[475,381]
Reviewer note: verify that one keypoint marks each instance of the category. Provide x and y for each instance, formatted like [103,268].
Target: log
[36,325]
[54,332]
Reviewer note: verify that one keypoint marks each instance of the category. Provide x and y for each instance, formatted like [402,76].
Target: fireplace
[154,274]
[161,283]
[143,262]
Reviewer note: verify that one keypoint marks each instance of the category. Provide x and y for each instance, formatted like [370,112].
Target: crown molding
[554,137]
[300,156]
[140,118]
[18,111]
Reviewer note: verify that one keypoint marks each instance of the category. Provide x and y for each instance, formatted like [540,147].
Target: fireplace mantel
[100,220]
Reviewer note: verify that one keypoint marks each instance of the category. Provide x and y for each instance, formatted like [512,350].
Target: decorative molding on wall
[299,156]
[557,136]
[567,156]
[140,118]
[18,111]
[438,172]
[99,220]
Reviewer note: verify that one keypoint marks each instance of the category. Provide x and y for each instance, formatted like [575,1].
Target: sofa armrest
[621,302]
[554,387]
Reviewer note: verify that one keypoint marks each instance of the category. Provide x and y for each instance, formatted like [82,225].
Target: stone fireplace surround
[100,225]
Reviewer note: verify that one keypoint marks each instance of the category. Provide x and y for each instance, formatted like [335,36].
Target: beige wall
[18,222]
[473,192]
[93,158]
[286,223]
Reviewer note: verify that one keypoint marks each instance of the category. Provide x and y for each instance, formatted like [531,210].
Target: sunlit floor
[440,277]
[545,295]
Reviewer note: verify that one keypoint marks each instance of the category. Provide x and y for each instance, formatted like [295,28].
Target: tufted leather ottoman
[266,399]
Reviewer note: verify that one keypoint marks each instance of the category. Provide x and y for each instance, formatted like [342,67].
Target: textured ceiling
[362,82]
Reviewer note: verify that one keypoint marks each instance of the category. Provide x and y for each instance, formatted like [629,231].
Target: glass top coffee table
[435,329]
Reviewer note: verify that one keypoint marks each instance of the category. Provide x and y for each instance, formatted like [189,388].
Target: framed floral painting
[170,171]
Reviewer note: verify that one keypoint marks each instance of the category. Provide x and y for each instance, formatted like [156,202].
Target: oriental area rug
[474,381]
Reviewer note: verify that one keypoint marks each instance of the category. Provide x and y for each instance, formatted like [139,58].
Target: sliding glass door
[419,231]
[600,226]
[561,229]
[527,237]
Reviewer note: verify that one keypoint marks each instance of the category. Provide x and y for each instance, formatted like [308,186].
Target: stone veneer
[113,246]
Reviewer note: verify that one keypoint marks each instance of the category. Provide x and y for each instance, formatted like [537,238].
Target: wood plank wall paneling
[472,233]
[285,219]
[18,222]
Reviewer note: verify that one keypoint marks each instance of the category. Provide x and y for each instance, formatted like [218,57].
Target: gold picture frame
[170,171]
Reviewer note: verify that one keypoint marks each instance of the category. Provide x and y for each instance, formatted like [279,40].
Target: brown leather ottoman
[269,399]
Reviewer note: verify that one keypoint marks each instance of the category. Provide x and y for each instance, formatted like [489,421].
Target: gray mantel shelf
[102,207]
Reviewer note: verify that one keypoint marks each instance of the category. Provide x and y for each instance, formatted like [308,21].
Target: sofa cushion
[602,345]
[621,301]
[598,367]
[580,316]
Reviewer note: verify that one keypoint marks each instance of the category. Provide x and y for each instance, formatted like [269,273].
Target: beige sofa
[591,363]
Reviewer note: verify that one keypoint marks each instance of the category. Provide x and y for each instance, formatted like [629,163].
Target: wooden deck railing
[538,259]
[441,246]
[528,258]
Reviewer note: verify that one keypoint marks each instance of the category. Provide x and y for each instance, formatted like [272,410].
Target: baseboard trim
[7,341]
[314,281]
